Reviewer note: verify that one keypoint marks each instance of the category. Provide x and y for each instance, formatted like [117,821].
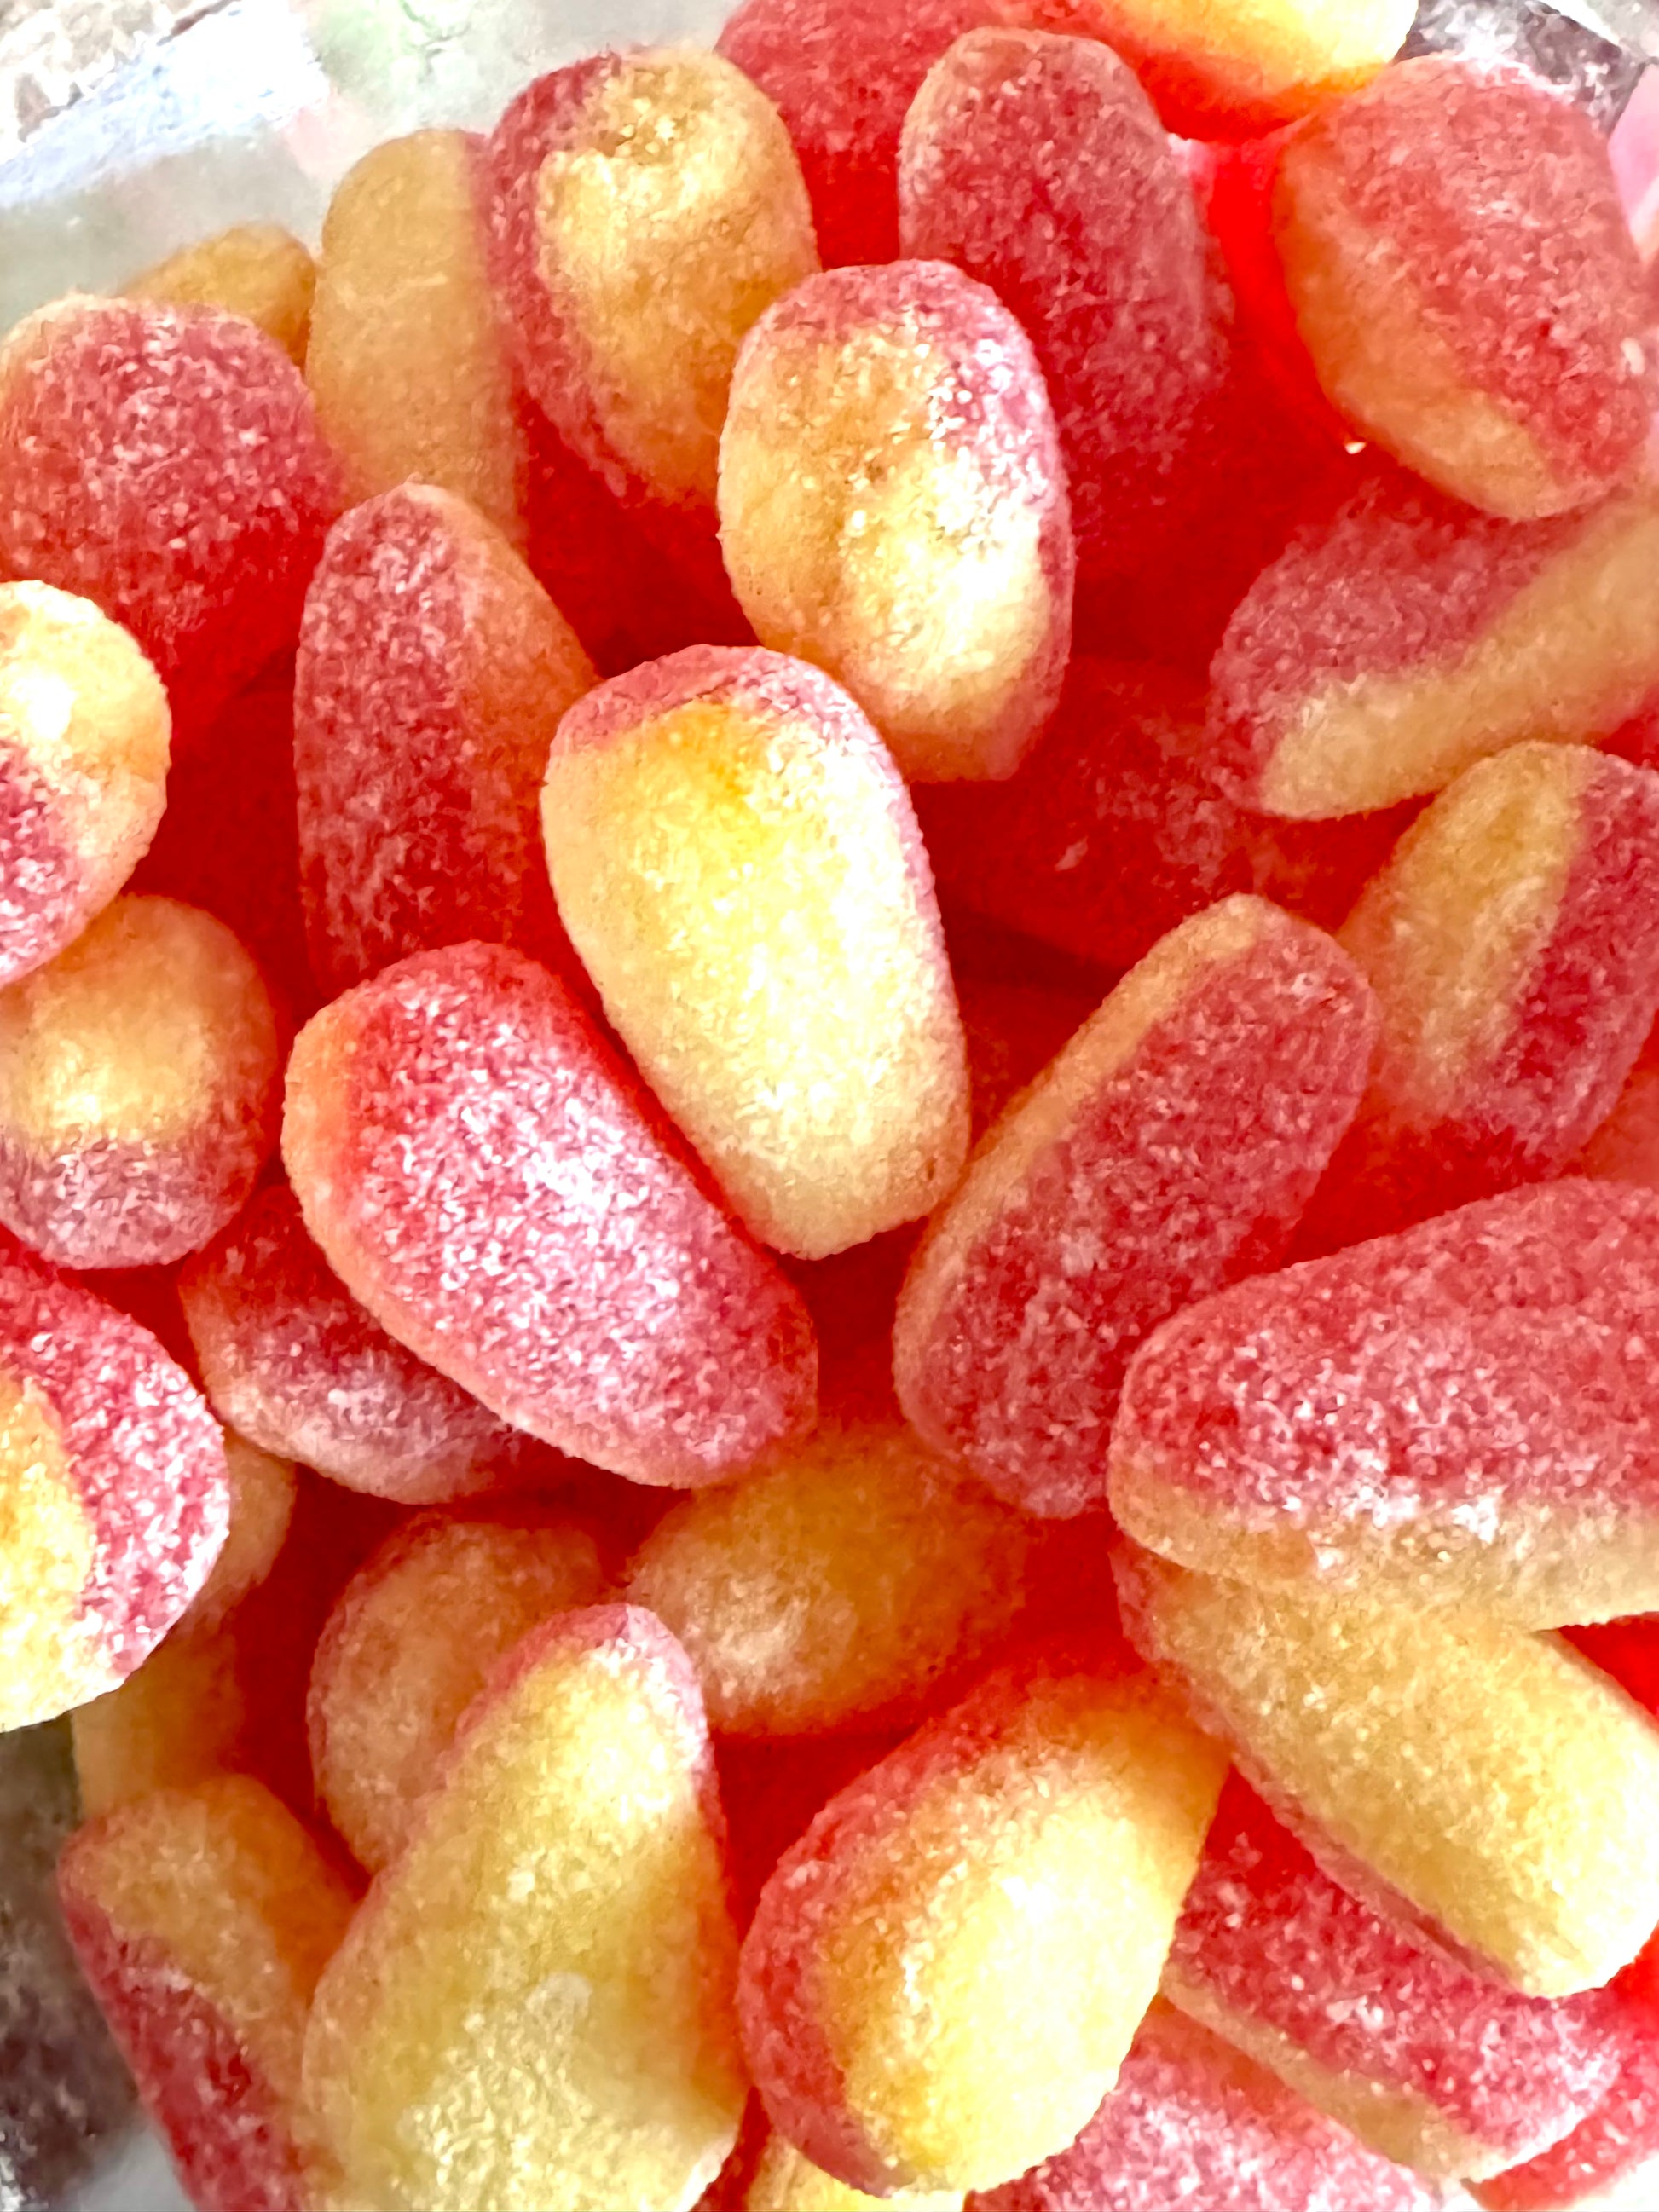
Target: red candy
[1170,1148]
[484,1177]
[164,463]
[432,674]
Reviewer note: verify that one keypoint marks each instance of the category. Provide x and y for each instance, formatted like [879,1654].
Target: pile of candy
[829,1143]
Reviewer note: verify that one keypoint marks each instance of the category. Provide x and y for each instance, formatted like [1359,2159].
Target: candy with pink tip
[1426,2062]
[1113,285]
[83,768]
[484,1176]
[944,1975]
[1170,1148]
[290,1359]
[164,463]
[534,2007]
[1392,645]
[202,1917]
[1464,278]
[432,674]
[138,1087]
[737,862]
[1461,1414]
[893,509]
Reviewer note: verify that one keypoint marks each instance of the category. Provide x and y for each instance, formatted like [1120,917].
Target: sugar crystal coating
[1464,278]
[851,1587]
[164,463]
[1407,637]
[644,209]
[1626,1147]
[1193,2122]
[1427,2062]
[431,677]
[262,1494]
[138,1087]
[943,1976]
[893,509]
[777,2178]
[484,1177]
[115,1496]
[736,860]
[1462,1413]
[1513,945]
[202,1917]
[290,1358]
[1171,1147]
[1487,1787]
[255,270]
[84,742]
[1114,284]
[408,366]
[181,1719]
[534,2006]
[414,1639]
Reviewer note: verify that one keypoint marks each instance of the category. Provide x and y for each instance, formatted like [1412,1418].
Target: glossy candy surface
[483,1176]
[738,866]
[1170,1148]
[534,2006]
[893,509]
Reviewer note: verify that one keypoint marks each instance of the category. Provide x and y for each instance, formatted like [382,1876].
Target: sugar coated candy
[1513,945]
[164,463]
[1625,1147]
[774,2176]
[1459,1414]
[290,1359]
[1113,285]
[850,1587]
[431,676]
[85,736]
[181,1719]
[115,1497]
[644,209]
[1101,841]
[943,1976]
[138,1087]
[1426,2061]
[202,1917]
[262,1493]
[255,270]
[1170,1148]
[1487,1787]
[737,861]
[893,509]
[1396,644]
[535,2005]
[407,365]
[1193,2123]
[1464,278]
[65,2094]
[483,1175]
[414,1639]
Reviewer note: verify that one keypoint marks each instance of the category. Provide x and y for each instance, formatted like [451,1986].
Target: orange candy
[257,271]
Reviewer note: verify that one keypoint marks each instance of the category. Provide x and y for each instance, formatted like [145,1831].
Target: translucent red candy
[290,1358]
[1427,2062]
[1393,646]
[166,464]
[113,1488]
[1101,841]
[1113,285]
[202,1917]
[486,1178]
[84,741]
[737,862]
[1464,278]
[944,1975]
[1192,2123]
[432,674]
[893,507]
[1170,1148]
[1513,945]
[1461,1414]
